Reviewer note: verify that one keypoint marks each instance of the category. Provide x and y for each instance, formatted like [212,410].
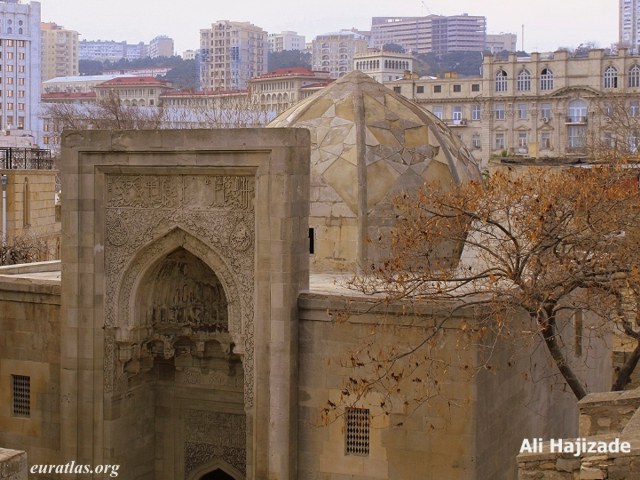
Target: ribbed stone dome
[367,145]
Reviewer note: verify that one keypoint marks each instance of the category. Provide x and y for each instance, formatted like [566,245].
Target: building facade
[133,91]
[431,34]
[60,52]
[546,106]
[231,54]
[278,90]
[20,48]
[384,66]
[630,24]
[334,52]
[286,40]
[499,42]
[161,46]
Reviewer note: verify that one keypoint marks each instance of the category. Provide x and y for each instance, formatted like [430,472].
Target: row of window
[575,140]
[524,79]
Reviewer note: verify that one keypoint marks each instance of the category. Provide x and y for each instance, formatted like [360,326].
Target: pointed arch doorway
[217,475]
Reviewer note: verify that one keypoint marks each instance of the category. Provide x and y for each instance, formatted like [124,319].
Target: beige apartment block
[546,106]
[60,51]
[383,66]
[334,52]
[231,54]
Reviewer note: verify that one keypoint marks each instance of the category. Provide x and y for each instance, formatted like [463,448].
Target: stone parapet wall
[604,417]
[13,465]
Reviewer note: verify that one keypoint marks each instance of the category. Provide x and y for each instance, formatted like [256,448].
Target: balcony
[25,158]
[575,120]
[455,122]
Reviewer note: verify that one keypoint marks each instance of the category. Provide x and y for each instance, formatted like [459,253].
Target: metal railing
[25,158]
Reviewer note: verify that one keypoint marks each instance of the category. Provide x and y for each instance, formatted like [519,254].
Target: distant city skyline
[548,24]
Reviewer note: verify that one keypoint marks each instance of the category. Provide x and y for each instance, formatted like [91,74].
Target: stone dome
[368,144]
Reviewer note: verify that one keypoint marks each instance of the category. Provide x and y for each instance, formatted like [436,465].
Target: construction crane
[425,7]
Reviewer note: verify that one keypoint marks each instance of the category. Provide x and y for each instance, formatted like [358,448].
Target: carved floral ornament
[179,267]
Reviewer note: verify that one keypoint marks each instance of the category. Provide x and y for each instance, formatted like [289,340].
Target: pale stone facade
[31,207]
[384,66]
[334,52]
[546,106]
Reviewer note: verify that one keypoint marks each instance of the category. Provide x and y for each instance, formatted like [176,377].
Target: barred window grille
[21,395]
[357,431]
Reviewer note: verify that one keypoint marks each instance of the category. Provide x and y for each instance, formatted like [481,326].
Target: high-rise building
[161,46]
[432,34]
[499,42]
[630,23]
[334,52]
[20,63]
[59,51]
[231,54]
[286,40]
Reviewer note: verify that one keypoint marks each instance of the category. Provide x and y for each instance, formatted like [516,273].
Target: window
[357,431]
[577,111]
[437,111]
[523,142]
[475,87]
[634,108]
[578,330]
[576,137]
[21,395]
[397,89]
[634,76]
[545,111]
[457,88]
[475,141]
[501,81]
[523,83]
[546,79]
[475,112]
[312,241]
[420,89]
[499,141]
[457,114]
[437,88]
[545,140]
[523,111]
[611,77]
[500,111]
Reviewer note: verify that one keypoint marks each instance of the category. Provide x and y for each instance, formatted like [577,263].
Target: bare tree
[542,243]
[23,249]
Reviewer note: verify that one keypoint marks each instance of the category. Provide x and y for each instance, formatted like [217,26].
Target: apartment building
[546,106]
[431,34]
[334,52]
[161,46]
[499,42]
[383,66]
[231,54]
[286,40]
[630,24]
[20,57]
[60,51]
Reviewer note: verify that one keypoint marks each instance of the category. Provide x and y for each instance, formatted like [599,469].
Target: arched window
[634,76]
[523,83]
[546,79]
[611,77]
[501,81]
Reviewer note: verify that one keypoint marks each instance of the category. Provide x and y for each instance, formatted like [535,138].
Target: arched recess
[129,328]
[214,465]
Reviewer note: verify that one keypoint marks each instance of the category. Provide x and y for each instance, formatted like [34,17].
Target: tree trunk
[548,333]
[622,378]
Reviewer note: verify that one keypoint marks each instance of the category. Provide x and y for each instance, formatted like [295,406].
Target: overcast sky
[548,24]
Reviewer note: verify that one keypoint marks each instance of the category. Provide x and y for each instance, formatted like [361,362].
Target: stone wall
[30,346]
[13,465]
[604,417]
[31,208]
